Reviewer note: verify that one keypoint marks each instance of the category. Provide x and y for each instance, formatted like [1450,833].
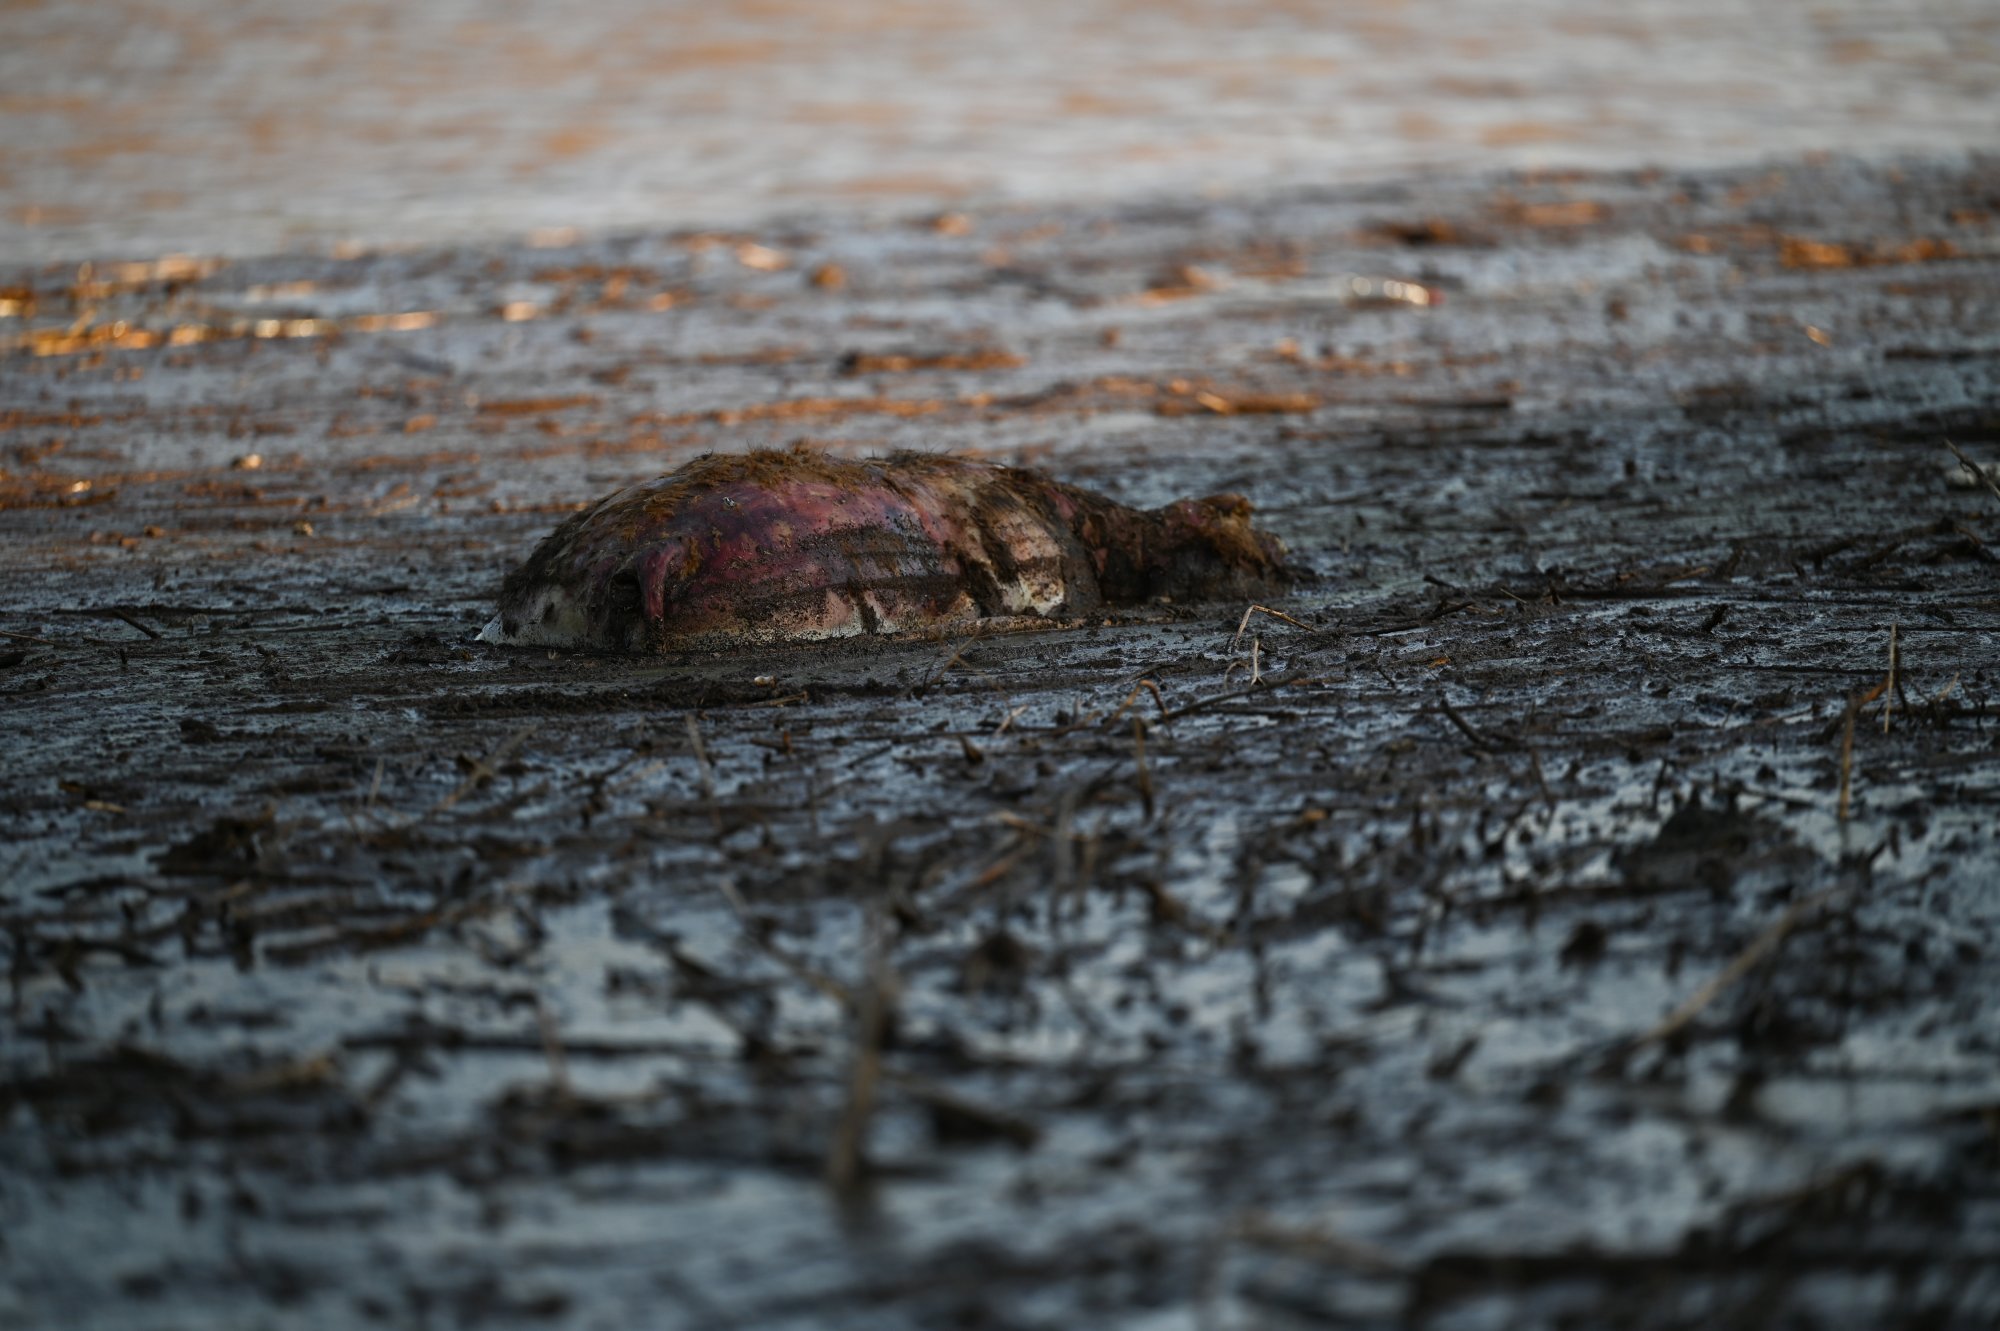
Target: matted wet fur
[771,546]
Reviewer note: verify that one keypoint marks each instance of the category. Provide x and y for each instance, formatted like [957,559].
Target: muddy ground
[250,126]
[1569,920]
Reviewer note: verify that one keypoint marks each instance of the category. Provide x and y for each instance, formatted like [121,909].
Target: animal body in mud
[768,547]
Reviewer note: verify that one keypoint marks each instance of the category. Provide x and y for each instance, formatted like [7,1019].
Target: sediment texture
[359,975]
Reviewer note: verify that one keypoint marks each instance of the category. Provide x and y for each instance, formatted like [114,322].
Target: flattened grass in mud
[1557,911]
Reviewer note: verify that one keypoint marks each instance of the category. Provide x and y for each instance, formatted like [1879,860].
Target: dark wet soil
[1584,915]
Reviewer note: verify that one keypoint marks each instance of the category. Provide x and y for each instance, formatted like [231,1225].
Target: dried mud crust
[1576,907]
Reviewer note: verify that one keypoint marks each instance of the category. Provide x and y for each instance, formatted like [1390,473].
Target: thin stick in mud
[707,772]
[846,1158]
[1889,684]
[1244,623]
[1763,945]
[1973,469]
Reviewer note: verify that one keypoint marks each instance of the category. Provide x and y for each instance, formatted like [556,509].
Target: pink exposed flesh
[767,547]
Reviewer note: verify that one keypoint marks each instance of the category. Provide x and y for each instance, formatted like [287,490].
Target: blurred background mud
[129,128]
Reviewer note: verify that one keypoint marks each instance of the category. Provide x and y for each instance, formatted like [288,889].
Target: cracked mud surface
[1488,948]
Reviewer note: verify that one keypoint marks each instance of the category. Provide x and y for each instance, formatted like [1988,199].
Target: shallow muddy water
[1524,938]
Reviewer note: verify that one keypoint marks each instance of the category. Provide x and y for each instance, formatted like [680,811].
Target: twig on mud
[1009,819]
[1779,797]
[1465,727]
[819,980]
[785,701]
[1847,758]
[1541,781]
[1199,704]
[552,1050]
[1167,717]
[846,1155]
[1093,718]
[1144,685]
[485,769]
[116,613]
[1244,623]
[1314,1243]
[1139,757]
[1763,945]
[291,1074]
[1013,714]
[1889,684]
[1164,908]
[1062,857]
[707,772]
[409,929]
[1083,866]
[1854,708]
[1973,469]
[957,658]
[950,661]
[1479,738]
[999,868]
[29,637]
[951,1107]
[1256,663]
[632,777]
